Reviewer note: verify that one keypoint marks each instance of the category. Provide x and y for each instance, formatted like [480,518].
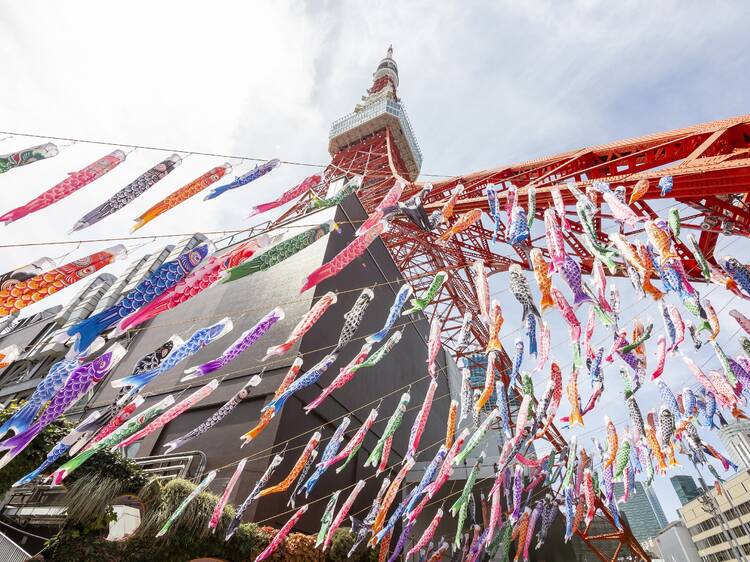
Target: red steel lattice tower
[710,165]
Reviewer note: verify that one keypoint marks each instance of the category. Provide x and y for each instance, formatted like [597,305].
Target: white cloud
[486,84]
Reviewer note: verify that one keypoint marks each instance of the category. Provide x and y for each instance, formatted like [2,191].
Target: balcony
[380,114]
[43,505]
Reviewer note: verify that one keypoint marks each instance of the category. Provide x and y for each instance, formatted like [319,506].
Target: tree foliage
[106,476]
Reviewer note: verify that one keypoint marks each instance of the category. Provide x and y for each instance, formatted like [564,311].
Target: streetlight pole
[712,507]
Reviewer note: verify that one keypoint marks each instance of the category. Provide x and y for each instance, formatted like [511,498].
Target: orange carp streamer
[267,415]
[43,285]
[296,469]
[182,194]
[450,431]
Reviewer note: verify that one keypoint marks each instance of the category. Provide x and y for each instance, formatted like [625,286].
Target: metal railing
[10,551]
[39,503]
[374,110]
[189,465]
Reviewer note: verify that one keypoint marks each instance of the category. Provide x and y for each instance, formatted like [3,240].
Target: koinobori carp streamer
[27,156]
[71,184]
[183,194]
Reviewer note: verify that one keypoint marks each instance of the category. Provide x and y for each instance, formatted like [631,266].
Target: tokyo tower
[709,165]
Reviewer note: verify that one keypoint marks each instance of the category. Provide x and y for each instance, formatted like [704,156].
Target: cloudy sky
[485,83]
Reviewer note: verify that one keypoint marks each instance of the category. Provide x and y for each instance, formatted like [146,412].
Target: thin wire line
[223,233]
[258,457]
[259,454]
[374,475]
[178,150]
[410,322]
[541,491]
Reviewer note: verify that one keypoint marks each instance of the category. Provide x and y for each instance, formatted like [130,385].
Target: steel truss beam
[709,163]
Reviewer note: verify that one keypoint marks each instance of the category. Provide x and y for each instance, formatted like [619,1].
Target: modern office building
[720,529]
[685,488]
[642,510]
[736,440]
[673,544]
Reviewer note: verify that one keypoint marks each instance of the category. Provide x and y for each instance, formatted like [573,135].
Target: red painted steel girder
[709,164]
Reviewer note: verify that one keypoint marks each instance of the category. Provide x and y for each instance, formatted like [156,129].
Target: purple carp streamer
[77,384]
[257,172]
[245,340]
[60,448]
[129,193]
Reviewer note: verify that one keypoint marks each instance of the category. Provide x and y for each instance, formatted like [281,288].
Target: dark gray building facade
[685,488]
[246,301]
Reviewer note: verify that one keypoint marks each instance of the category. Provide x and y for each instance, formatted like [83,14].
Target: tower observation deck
[379,110]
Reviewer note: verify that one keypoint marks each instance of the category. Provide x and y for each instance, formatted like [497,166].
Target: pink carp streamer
[121,417]
[355,249]
[428,534]
[420,422]
[434,344]
[171,414]
[391,198]
[355,442]
[345,375]
[304,325]
[221,504]
[196,282]
[289,195]
[661,356]
[74,182]
[343,512]
[281,535]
